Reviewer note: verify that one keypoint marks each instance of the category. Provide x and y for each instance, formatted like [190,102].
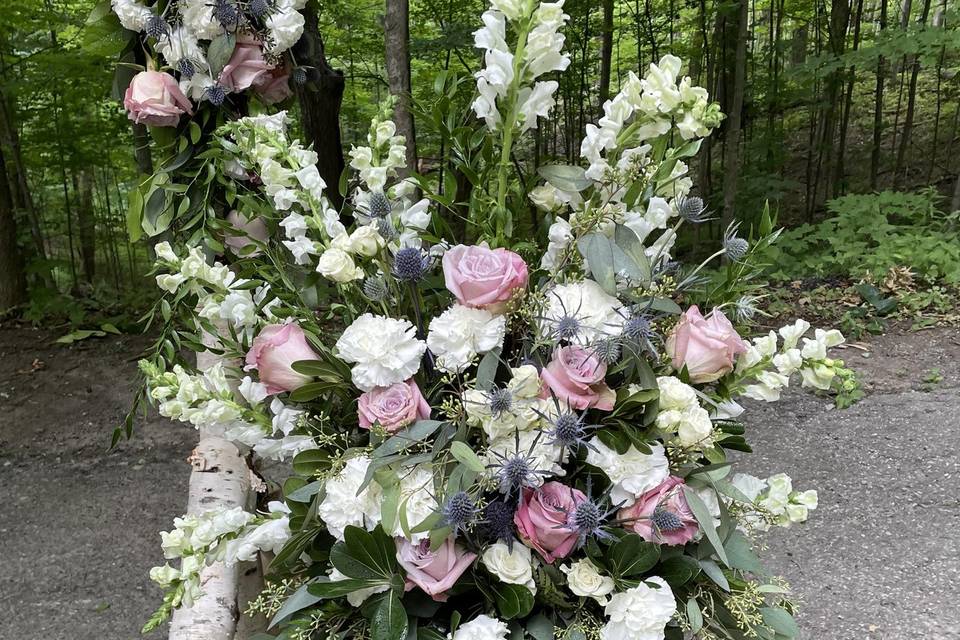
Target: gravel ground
[880,558]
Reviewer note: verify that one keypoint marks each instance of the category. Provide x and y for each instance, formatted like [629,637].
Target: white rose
[695,428]
[366,241]
[385,350]
[640,613]
[483,627]
[525,382]
[337,265]
[675,394]
[584,580]
[510,567]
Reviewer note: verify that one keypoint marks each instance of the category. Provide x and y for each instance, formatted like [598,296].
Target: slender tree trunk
[900,171]
[86,226]
[320,98]
[606,51]
[878,104]
[13,281]
[938,21]
[732,136]
[839,185]
[396,29]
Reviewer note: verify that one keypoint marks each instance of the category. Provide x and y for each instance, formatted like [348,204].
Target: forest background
[843,120]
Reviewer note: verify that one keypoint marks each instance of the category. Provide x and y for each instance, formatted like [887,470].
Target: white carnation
[483,627]
[345,505]
[596,312]
[286,27]
[460,333]
[632,473]
[641,613]
[510,567]
[384,351]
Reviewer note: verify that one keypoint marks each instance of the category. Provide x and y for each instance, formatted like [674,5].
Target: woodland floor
[880,558]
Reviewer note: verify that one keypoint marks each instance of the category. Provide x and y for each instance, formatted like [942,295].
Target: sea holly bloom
[706,346]
[273,353]
[662,515]
[154,98]
[435,572]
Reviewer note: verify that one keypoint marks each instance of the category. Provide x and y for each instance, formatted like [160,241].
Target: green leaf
[219,52]
[628,241]
[420,431]
[306,492]
[780,621]
[678,570]
[705,520]
[134,213]
[606,260]
[513,600]
[389,619]
[540,627]
[565,177]
[298,600]
[311,462]
[487,370]
[694,616]
[715,573]
[324,588]
[462,452]
[318,369]
[741,554]
[374,549]
[632,555]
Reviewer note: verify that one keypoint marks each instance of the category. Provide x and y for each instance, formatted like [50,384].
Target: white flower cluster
[507,85]
[483,627]
[681,413]
[526,408]
[204,399]
[281,443]
[774,501]
[224,535]
[220,295]
[459,334]
[189,26]
[816,370]
[383,350]
[597,314]
[632,473]
[510,565]
[380,160]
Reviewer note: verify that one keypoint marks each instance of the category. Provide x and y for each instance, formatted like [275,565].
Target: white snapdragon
[559,236]
[460,334]
[631,473]
[772,502]
[383,350]
[510,566]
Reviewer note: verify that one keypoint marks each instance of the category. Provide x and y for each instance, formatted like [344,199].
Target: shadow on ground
[879,560]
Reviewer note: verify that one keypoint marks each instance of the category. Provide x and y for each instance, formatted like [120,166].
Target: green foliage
[866,235]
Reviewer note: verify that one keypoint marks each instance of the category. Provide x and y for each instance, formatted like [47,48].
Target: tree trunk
[320,99]
[732,136]
[396,30]
[606,51]
[878,104]
[13,281]
[839,185]
[900,171]
[86,226]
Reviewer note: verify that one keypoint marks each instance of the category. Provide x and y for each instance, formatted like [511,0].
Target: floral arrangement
[493,438]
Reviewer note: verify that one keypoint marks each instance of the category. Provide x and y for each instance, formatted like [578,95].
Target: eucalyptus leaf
[462,452]
[705,520]
[565,177]
[780,621]
[219,52]
[298,600]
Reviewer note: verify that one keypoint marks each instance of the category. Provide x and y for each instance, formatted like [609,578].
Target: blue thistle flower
[607,350]
[588,518]
[258,8]
[498,520]
[500,401]
[215,95]
[665,520]
[186,68]
[567,327]
[226,13]
[156,26]
[299,76]
[692,210]
[409,264]
[379,205]
[734,247]
[516,470]
[459,511]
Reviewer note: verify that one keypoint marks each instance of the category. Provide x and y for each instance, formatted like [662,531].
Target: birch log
[220,480]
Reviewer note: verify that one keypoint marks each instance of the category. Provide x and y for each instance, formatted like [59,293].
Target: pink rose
[542,519]
[273,352]
[393,407]
[433,571]
[246,66]
[662,515]
[154,98]
[483,277]
[274,87]
[253,228]
[575,376]
[707,346]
